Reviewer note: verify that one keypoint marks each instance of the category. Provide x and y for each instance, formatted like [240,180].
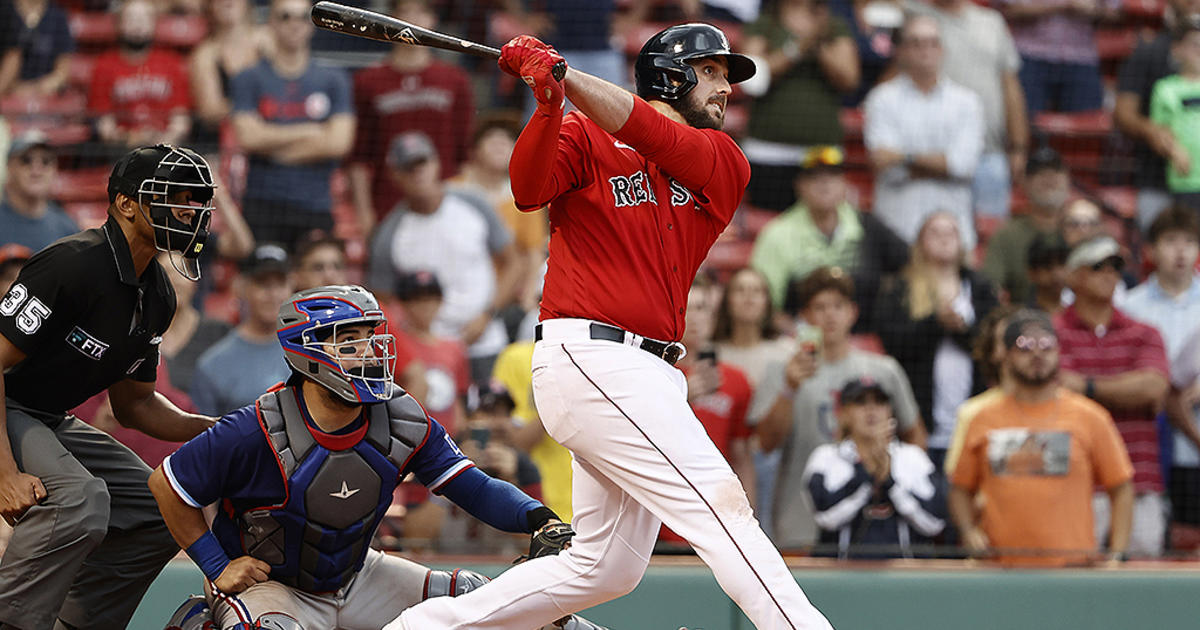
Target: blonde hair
[922,293]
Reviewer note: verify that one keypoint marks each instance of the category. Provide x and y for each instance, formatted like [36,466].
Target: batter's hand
[241,574]
[533,61]
[18,493]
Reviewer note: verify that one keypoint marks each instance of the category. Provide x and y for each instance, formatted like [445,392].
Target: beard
[1033,378]
[697,115]
[135,44]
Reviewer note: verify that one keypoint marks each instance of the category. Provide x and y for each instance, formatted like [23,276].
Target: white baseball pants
[641,459]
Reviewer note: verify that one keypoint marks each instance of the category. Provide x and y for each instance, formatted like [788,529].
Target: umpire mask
[169,179]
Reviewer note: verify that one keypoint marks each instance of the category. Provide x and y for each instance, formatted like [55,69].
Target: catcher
[303,477]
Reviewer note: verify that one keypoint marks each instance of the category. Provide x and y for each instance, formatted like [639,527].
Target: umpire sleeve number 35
[31,316]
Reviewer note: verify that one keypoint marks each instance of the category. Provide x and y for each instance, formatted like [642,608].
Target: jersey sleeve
[967,470]
[1110,459]
[1161,107]
[340,93]
[243,92]
[533,185]
[41,303]
[706,161]
[231,460]
[438,460]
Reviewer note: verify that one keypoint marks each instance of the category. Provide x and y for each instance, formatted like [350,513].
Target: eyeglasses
[1029,344]
[1116,264]
[1080,223]
[41,160]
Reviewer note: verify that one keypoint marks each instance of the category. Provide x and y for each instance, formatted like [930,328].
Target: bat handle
[559,71]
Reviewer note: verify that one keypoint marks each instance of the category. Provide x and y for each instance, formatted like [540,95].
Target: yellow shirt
[514,368]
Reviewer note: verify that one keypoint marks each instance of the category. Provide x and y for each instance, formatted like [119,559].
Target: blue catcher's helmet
[311,328]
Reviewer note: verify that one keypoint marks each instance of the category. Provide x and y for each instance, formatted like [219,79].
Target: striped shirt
[1123,346]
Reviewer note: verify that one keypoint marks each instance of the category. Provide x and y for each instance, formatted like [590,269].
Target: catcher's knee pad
[191,615]
[453,583]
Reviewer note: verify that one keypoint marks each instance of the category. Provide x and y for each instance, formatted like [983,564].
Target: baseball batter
[638,192]
[304,476]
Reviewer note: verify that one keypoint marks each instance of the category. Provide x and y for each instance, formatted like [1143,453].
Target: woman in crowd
[927,316]
[234,43]
[745,332]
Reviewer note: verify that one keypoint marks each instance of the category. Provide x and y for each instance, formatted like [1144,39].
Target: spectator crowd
[957,314]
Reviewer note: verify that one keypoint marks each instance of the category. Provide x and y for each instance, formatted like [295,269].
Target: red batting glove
[532,60]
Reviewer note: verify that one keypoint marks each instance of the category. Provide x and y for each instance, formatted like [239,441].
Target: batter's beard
[697,115]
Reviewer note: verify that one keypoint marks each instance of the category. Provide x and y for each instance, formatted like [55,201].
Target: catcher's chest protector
[317,539]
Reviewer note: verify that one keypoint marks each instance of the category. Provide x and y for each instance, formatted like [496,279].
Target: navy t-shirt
[41,45]
[312,97]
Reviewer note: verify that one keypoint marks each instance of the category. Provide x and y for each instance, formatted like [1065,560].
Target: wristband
[207,553]
[539,516]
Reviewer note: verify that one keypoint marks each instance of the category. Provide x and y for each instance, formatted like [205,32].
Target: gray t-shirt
[813,424]
[235,372]
[978,51]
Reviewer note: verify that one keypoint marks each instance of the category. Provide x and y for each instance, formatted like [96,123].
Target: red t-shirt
[437,101]
[1125,345]
[446,373]
[723,414]
[141,96]
[632,214]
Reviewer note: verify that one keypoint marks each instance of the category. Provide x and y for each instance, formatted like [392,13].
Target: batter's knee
[618,574]
[84,513]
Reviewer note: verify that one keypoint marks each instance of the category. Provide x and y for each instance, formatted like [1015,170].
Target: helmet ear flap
[677,77]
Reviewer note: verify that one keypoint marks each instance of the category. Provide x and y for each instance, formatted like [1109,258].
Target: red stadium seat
[93,29]
[81,70]
[88,214]
[57,134]
[728,255]
[82,185]
[1082,124]
[65,103]
[852,123]
[1115,43]
[180,31]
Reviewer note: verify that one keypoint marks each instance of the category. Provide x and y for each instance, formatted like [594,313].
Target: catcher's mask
[167,179]
[337,337]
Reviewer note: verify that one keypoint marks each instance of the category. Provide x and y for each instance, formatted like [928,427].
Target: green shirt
[1175,103]
[1006,262]
[791,245]
[801,107]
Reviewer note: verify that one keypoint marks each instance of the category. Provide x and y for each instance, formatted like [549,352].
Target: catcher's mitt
[549,540]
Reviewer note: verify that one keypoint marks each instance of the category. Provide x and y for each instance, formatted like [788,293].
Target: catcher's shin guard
[452,583]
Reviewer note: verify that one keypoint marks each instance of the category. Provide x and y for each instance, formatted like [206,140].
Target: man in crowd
[457,237]
[410,90]
[1036,452]
[140,92]
[794,405]
[1047,187]
[1121,364]
[295,119]
[981,55]
[1046,263]
[239,367]
[27,214]
[924,133]
[824,230]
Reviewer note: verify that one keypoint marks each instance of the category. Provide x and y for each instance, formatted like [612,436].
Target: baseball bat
[340,18]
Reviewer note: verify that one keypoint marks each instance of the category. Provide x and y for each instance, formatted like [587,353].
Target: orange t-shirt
[1034,468]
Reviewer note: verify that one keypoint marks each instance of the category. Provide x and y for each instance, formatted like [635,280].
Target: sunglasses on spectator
[1116,264]
[1081,223]
[1029,344]
[287,16]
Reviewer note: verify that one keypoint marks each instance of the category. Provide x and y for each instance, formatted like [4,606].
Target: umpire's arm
[137,406]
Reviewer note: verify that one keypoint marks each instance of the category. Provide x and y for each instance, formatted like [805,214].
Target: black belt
[669,352]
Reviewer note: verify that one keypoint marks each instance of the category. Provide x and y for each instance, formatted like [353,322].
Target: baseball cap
[409,148]
[1025,321]
[1094,251]
[414,284]
[1044,158]
[490,396]
[857,389]
[32,139]
[822,159]
[266,258]
[14,252]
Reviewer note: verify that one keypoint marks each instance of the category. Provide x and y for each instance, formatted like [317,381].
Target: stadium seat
[57,134]
[87,214]
[852,123]
[180,31]
[93,29]
[1115,43]
[65,103]
[81,70]
[728,255]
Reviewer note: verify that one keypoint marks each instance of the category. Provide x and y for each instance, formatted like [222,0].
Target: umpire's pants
[88,552]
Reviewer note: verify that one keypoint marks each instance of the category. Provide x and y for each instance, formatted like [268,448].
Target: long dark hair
[723,330]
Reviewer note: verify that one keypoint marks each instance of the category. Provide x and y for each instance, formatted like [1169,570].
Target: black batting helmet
[662,72]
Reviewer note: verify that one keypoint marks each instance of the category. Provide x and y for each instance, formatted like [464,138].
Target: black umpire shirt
[84,320]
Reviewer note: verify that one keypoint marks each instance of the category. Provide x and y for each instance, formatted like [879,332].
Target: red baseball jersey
[141,95]
[632,214]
